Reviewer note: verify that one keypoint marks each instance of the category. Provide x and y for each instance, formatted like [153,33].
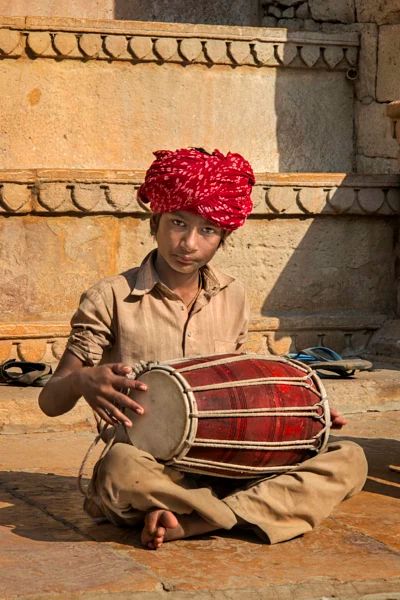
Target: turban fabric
[215,186]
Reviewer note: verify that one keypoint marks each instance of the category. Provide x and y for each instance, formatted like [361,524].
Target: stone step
[375,391]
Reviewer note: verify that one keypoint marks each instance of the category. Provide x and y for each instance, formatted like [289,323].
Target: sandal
[323,359]
[19,372]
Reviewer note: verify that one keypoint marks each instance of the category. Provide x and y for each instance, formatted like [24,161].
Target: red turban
[215,186]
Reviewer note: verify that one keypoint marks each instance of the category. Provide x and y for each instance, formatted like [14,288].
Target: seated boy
[175,305]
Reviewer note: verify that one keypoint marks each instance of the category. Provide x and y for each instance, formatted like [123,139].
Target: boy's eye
[178,222]
[209,230]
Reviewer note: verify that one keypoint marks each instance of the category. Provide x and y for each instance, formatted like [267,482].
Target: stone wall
[378,83]
[320,249]
[88,101]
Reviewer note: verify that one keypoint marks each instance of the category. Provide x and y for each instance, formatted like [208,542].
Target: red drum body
[238,416]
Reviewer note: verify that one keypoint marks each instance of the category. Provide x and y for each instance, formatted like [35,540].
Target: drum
[233,415]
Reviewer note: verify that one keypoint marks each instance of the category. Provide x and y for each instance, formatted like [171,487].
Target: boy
[175,305]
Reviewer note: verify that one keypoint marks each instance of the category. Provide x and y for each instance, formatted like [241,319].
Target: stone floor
[50,550]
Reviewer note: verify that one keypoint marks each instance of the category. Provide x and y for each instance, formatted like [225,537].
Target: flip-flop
[19,372]
[322,358]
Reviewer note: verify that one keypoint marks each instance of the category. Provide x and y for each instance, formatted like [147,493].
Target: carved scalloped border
[275,195]
[302,50]
[45,342]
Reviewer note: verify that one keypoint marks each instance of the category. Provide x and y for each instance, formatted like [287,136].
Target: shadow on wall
[336,270]
[224,12]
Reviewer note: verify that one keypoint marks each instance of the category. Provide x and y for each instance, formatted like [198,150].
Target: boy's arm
[100,386]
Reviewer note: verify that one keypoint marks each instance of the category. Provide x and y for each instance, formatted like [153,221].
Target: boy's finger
[124,401]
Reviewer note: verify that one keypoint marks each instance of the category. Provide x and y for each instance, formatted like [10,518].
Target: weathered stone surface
[367,67]
[90,9]
[329,264]
[20,413]
[374,133]
[233,12]
[388,85]
[386,341]
[342,10]
[127,139]
[302,11]
[46,268]
[366,164]
[378,11]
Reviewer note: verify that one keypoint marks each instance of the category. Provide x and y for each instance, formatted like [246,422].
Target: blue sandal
[323,359]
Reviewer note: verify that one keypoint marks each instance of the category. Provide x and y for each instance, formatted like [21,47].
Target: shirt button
[182,307]
[189,334]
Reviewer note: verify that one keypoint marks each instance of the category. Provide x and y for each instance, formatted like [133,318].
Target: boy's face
[186,241]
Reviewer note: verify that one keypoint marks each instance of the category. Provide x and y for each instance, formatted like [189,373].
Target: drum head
[164,426]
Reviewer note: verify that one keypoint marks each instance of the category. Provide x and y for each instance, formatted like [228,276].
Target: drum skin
[254,428]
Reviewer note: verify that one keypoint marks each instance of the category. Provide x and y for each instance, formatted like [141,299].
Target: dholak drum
[231,415]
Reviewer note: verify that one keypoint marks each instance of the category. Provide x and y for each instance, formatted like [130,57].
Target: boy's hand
[337,420]
[102,387]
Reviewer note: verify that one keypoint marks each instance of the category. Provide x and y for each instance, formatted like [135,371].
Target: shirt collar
[147,278]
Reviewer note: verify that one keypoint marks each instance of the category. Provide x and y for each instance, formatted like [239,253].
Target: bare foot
[163,526]
[156,524]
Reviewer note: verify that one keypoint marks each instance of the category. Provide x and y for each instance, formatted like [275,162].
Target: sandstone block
[269,22]
[378,11]
[367,66]
[224,12]
[89,9]
[341,10]
[388,82]
[302,11]
[311,25]
[274,11]
[378,165]
[288,13]
[374,134]
[293,24]
[337,266]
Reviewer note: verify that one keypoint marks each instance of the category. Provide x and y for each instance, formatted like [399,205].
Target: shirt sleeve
[92,325]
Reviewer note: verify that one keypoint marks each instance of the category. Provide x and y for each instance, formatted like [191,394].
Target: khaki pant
[128,482]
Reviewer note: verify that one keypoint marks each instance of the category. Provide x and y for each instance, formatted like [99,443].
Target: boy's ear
[154,222]
[225,235]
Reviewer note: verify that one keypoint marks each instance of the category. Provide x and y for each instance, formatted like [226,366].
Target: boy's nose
[189,240]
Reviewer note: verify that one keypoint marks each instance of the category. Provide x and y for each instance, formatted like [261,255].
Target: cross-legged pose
[176,305]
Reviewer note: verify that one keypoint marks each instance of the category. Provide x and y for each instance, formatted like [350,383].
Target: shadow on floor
[380,453]
[46,506]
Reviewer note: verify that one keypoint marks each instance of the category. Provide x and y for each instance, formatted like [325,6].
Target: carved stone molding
[328,194]
[45,342]
[86,40]
[276,195]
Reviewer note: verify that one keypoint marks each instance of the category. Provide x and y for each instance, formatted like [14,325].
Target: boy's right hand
[103,389]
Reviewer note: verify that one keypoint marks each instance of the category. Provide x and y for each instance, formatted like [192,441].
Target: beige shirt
[134,316]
